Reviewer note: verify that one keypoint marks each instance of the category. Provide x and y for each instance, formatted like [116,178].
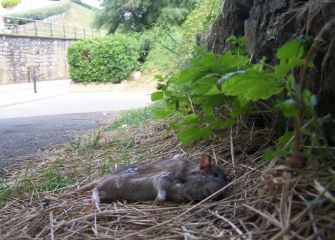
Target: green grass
[87,143]
[52,179]
[134,117]
[78,16]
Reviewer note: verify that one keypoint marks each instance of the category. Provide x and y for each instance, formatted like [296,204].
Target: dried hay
[262,201]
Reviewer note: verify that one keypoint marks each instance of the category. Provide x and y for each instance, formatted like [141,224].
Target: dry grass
[260,202]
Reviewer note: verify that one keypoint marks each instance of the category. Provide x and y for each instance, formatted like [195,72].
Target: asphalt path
[32,122]
[21,138]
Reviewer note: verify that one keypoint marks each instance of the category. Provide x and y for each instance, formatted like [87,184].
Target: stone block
[277,5]
[250,30]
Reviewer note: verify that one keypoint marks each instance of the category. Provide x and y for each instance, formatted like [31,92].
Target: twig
[232,150]
[300,215]
[283,211]
[191,104]
[265,215]
[237,230]
[95,228]
[51,226]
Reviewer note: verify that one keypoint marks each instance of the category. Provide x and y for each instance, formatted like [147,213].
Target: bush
[38,14]
[10,3]
[109,59]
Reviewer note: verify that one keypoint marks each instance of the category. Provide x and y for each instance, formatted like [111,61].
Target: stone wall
[19,55]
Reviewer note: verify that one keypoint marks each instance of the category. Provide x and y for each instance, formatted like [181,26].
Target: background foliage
[166,45]
[104,59]
[9,3]
[137,15]
[171,47]
[39,14]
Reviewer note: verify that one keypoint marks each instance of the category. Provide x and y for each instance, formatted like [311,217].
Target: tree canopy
[136,15]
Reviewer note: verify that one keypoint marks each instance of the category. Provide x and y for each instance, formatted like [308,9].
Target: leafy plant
[227,81]
[216,90]
[109,59]
[238,44]
[9,3]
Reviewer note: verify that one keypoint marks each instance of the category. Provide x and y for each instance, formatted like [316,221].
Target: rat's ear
[205,162]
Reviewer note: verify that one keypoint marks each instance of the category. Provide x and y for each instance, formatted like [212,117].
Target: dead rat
[174,179]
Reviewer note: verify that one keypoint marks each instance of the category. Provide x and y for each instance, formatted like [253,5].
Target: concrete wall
[18,54]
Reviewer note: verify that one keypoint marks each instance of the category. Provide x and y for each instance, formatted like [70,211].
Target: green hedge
[9,3]
[38,14]
[109,59]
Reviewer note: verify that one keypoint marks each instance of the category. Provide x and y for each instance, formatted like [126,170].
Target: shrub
[217,92]
[109,59]
[10,3]
[38,14]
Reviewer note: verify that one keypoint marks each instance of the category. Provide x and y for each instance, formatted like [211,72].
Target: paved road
[58,97]
[21,138]
[29,122]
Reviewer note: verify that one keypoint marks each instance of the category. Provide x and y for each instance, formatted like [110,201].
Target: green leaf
[227,77]
[220,125]
[155,96]
[290,85]
[309,99]
[252,85]
[159,78]
[189,119]
[284,67]
[164,112]
[208,110]
[283,140]
[269,155]
[216,100]
[290,56]
[193,133]
[206,86]
[230,62]
[161,86]
[288,108]
[292,49]
[242,101]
